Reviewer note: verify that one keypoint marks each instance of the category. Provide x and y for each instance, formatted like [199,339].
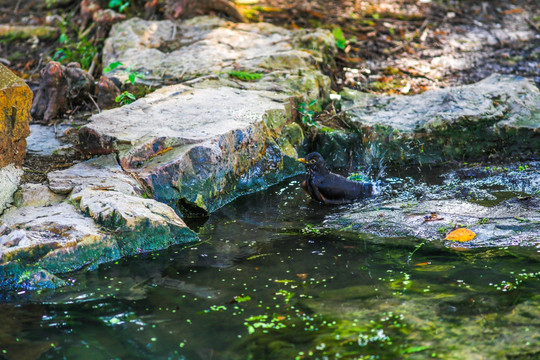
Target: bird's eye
[312,161]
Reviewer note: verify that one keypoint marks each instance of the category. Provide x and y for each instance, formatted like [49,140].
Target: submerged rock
[496,117]
[15,102]
[199,148]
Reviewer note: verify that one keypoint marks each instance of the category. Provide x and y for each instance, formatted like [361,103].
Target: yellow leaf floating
[461,235]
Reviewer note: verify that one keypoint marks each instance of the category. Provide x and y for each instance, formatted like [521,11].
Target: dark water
[266,282]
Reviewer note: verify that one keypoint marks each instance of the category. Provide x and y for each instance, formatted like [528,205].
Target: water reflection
[266,283]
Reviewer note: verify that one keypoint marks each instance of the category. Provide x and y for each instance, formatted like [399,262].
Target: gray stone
[101,173]
[36,195]
[483,200]
[43,140]
[58,236]
[115,200]
[104,218]
[10,176]
[499,116]
[200,147]
[507,224]
[164,51]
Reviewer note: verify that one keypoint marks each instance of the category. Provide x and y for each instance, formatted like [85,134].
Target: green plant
[82,51]
[341,41]
[125,98]
[308,111]
[132,75]
[120,4]
[310,229]
[245,76]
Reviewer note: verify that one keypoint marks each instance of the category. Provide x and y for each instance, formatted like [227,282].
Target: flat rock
[199,148]
[510,223]
[36,195]
[44,140]
[54,238]
[103,219]
[101,173]
[496,117]
[114,199]
[165,52]
[500,204]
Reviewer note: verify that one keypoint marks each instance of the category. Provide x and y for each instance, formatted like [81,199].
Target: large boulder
[198,148]
[498,117]
[229,128]
[15,103]
[105,217]
[166,52]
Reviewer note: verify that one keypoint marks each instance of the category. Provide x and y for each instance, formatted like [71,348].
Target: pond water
[266,282]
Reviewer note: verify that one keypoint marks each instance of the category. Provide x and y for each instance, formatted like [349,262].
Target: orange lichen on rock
[15,103]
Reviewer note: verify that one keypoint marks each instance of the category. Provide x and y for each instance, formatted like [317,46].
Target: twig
[338,114]
[85,32]
[95,103]
[93,65]
[533,25]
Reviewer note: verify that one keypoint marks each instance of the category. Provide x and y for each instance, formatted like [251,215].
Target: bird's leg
[316,194]
[305,187]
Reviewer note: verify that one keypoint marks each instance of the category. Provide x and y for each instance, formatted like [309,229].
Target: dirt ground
[385,46]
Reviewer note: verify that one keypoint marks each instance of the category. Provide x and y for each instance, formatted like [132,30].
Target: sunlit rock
[196,149]
[498,117]
[15,102]
[167,52]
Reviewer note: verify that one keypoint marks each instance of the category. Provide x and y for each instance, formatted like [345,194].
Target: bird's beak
[302,160]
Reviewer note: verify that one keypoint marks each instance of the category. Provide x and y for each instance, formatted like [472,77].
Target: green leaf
[115,3]
[122,7]
[413,349]
[131,78]
[313,102]
[240,299]
[63,38]
[131,96]
[112,66]
[341,41]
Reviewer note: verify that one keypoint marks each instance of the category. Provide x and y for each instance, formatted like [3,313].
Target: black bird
[330,188]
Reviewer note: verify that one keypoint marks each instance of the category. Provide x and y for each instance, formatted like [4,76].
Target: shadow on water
[268,282]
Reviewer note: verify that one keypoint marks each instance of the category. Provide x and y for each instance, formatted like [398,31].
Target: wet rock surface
[500,204]
[498,117]
[104,218]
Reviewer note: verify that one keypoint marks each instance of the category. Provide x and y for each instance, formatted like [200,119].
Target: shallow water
[267,282]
